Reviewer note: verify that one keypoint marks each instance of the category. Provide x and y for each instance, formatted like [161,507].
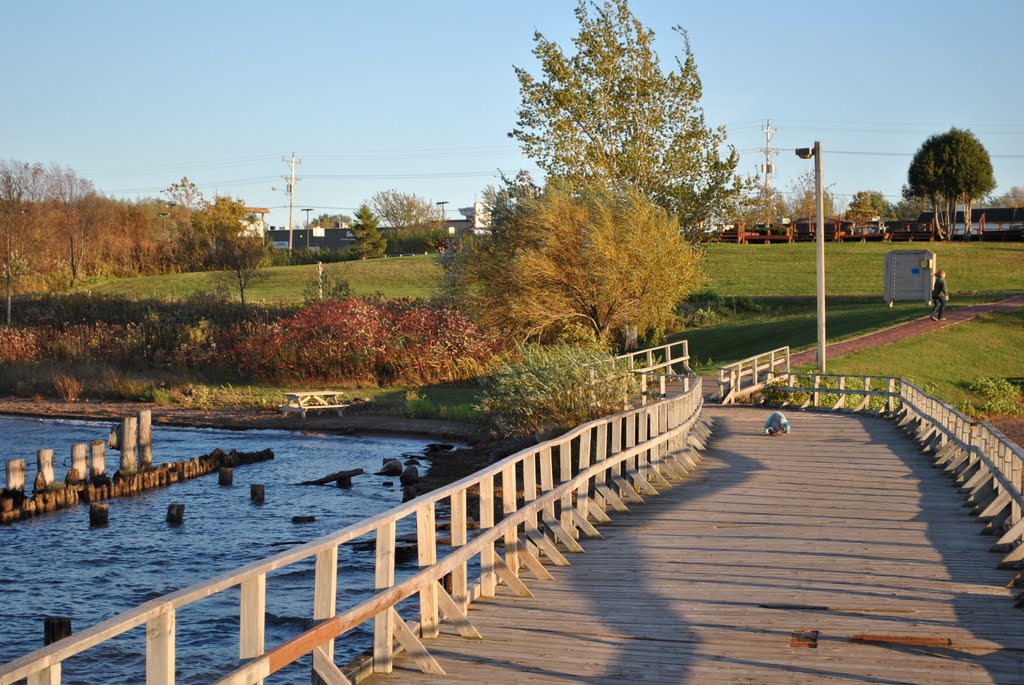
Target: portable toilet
[909,275]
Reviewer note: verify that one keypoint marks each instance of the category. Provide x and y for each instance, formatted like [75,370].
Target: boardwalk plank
[843,527]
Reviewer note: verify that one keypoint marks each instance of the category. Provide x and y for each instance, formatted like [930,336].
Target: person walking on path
[939,296]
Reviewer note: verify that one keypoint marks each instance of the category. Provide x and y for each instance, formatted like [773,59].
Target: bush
[367,340]
[708,308]
[556,387]
[67,387]
[1001,396]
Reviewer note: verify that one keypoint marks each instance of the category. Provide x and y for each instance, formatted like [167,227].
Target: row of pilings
[87,480]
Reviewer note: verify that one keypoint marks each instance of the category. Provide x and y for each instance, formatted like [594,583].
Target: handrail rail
[639,439]
[731,377]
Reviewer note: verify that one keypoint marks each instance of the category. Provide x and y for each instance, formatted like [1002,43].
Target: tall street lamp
[819,237]
[307,211]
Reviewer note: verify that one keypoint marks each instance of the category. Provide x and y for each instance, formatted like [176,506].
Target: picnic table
[308,400]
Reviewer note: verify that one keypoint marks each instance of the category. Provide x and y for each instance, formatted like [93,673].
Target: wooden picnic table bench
[308,400]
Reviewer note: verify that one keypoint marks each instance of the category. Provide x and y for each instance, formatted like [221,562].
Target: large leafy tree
[868,204]
[950,168]
[609,112]
[71,193]
[22,189]
[578,263]
[369,242]
[803,198]
[238,256]
[1014,197]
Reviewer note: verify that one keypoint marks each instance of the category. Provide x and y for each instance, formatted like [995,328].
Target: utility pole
[768,168]
[291,199]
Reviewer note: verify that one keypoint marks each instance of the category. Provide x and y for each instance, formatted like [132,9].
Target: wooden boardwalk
[842,527]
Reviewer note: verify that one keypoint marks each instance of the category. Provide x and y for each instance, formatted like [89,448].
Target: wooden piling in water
[225,476]
[80,460]
[99,460]
[56,628]
[127,441]
[44,466]
[16,474]
[175,514]
[145,439]
[257,493]
[99,514]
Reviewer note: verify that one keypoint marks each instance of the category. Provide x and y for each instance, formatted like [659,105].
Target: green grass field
[418,276]
[946,361]
[788,269]
[781,270]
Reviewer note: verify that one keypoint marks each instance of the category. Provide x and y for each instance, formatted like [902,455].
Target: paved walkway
[842,528]
[953,316]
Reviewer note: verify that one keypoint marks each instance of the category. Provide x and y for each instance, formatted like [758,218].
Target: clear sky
[420,96]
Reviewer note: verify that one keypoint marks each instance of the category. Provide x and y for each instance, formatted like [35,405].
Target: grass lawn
[418,276]
[788,269]
[781,270]
[793,322]
[946,361]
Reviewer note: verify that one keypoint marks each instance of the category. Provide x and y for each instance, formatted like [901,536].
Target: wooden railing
[568,483]
[751,374]
[984,463]
[832,391]
[665,363]
[987,466]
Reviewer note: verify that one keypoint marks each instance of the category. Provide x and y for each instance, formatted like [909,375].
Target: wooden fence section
[835,554]
[567,483]
[751,374]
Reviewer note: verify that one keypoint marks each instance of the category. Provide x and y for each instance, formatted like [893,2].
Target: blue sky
[419,96]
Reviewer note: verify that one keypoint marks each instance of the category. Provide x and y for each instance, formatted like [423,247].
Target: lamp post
[819,239]
[307,211]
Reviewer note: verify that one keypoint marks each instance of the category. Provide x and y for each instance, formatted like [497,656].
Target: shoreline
[478,449]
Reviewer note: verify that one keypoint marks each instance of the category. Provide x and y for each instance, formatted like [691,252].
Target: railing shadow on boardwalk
[935,503]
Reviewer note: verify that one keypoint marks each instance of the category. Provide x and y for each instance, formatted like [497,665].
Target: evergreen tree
[369,242]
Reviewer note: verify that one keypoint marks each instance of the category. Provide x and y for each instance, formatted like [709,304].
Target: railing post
[508,507]
[547,476]
[564,474]
[325,590]
[889,402]
[488,580]
[460,575]
[583,493]
[426,551]
[384,577]
[252,617]
[160,648]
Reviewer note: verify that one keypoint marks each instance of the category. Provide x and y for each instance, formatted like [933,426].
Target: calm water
[56,565]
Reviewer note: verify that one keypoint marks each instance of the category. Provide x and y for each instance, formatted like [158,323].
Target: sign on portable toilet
[909,275]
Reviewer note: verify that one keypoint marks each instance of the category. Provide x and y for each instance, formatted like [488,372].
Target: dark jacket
[939,289]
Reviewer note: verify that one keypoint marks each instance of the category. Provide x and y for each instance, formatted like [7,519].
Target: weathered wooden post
[175,514]
[44,465]
[145,439]
[225,475]
[16,475]
[56,628]
[80,460]
[257,493]
[99,461]
[127,442]
[98,515]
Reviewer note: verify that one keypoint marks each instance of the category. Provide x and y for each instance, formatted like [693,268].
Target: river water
[56,565]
